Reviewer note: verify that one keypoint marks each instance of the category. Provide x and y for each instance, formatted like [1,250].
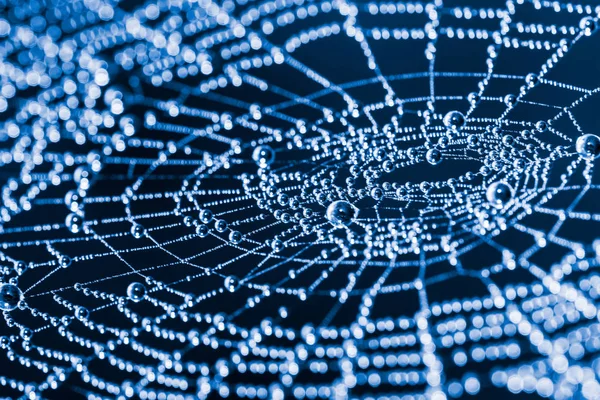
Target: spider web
[168,167]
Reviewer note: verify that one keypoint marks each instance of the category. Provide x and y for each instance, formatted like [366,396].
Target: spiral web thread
[123,123]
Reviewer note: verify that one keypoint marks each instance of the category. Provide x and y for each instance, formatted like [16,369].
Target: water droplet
[510,100]
[232,283]
[74,223]
[454,120]
[82,313]
[10,295]
[499,194]
[202,230]
[64,261]
[26,333]
[220,225]
[137,231]
[433,156]
[235,237]
[532,79]
[588,146]
[277,245]
[263,155]
[20,267]
[206,216]
[136,291]
[341,213]
[588,25]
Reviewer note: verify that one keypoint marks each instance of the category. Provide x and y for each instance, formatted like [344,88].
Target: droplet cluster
[298,199]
